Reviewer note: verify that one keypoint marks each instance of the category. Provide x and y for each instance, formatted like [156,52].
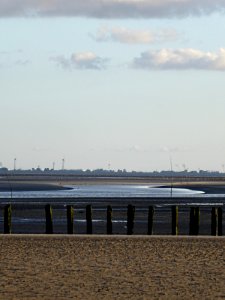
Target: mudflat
[15,186]
[47,183]
[111,267]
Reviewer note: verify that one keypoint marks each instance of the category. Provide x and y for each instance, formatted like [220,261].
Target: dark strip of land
[29,186]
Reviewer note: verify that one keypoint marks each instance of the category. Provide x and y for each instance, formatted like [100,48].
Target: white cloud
[173,149]
[110,8]
[82,60]
[135,148]
[19,51]
[131,36]
[7,60]
[22,62]
[181,59]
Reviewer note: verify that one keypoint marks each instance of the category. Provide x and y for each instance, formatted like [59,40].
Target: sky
[119,84]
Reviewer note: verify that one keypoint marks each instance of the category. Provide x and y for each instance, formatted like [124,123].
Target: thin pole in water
[171,179]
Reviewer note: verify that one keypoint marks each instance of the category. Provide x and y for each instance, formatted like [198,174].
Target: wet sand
[111,267]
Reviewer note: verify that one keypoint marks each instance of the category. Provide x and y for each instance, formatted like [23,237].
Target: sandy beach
[111,267]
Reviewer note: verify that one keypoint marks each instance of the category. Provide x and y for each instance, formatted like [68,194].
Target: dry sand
[116,267]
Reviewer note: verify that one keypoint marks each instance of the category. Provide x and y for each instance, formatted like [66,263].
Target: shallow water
[29,214]
[105,191]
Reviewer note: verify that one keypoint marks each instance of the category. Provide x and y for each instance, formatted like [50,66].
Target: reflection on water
[105,191]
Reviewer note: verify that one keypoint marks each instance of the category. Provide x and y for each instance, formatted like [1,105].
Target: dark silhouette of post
[49,221]
[89,219]
[194,221]
[214,221]
[220,221]
[130,219]
[174,220]
[7,218]
[70,216]
[150,219]
[109,219]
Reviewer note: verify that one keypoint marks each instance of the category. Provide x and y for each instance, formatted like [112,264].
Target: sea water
[104,191]
[28,207]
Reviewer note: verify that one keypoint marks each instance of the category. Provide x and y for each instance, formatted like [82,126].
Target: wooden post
[214,221]
[70,215]
[174,220]
[89,219]
[7,218]
[130,219]
[49,222]
[109,219]
[220,221]
[150,219]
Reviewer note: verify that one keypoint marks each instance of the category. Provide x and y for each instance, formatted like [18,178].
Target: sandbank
[30,186]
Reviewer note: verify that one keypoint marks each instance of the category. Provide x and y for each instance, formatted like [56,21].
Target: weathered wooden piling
[109,219]
[70,216]
[194,221]
[89,219]
[7,218]
[150,220]
[130,219]
[214,221]
[49,220]
[174,220]
[220,221]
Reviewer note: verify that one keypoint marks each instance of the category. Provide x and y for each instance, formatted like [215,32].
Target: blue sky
[129,90]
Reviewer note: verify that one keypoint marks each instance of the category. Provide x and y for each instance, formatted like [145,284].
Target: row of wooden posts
[216,220]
